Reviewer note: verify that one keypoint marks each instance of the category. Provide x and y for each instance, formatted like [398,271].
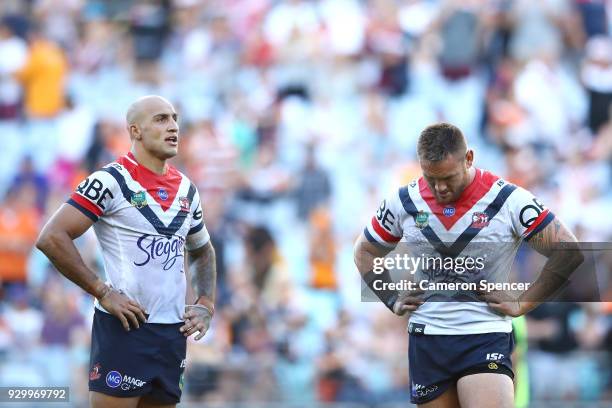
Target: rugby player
[145,213]
[459,352]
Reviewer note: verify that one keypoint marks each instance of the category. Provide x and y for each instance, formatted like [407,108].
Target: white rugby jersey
[144,222]
[491,216]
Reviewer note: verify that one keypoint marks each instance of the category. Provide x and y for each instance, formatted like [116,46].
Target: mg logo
[113,379]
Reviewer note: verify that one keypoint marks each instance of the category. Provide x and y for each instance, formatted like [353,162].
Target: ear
[134,132]
[469,158]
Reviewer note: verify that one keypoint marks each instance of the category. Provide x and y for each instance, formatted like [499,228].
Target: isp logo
[449,211]
[113,379]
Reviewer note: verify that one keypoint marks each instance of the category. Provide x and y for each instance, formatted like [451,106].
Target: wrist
[207,303]
[101,290]
[387,296]
[525,306]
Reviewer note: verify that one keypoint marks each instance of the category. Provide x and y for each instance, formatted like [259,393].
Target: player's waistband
[99,308]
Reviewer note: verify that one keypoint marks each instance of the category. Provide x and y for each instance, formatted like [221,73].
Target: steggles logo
[169,249]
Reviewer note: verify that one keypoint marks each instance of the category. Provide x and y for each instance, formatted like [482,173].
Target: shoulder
[116,167]
[186,185]
[410,196]
[496,188]
[176,173]
[411,188]
[488,176]
[490,181]
[106,175]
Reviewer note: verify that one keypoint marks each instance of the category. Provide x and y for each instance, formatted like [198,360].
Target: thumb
[398,308]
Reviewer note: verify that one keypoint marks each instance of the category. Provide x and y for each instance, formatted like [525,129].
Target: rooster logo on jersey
[185,204]
[479,220]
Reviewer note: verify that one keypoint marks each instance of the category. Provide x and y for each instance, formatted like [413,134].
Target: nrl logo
[422,219]
[138,199]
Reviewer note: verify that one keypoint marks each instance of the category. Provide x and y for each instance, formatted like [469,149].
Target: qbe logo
[113,379]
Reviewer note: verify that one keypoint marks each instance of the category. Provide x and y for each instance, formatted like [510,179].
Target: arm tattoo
[554,237]
[561,248]
[203,262]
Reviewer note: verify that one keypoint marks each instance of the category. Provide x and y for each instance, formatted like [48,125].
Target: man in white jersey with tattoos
[460,344]
[145,214]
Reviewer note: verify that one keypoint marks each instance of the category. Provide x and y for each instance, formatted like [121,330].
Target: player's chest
[477,224]
[155,212]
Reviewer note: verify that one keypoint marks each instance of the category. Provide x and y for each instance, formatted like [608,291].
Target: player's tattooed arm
[204,274]
[197,317]
[561,247]
[553,236]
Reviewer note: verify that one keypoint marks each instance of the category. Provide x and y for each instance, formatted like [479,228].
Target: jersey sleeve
[385,227]
[528,215]
[96,195]
[197,236]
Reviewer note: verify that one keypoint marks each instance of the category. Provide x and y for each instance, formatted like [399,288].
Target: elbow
[575,255]
[571,260]
[362,257]
[209,251]
[358,248]
[46,241]
[357,253]
[577,258]
[212,255]
[42,242]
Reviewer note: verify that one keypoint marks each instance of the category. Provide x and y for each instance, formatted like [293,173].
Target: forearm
[204,274]
[62,253]
[561,263]
[364,256]
[364,259]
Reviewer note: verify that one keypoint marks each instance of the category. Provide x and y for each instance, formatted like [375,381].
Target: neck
[149,161]
[472,173]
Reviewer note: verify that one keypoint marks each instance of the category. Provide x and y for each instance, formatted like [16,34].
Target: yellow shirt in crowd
[43,78]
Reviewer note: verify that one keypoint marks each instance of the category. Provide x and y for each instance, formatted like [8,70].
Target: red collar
[483,180]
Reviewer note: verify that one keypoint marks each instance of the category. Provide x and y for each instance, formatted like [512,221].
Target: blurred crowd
[297,117]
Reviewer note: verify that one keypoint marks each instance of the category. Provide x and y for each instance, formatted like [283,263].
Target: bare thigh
[446,400]
[146,402]
[484,390]
[99,400]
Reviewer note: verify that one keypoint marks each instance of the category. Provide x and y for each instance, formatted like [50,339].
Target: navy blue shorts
[146,361]
[437,361]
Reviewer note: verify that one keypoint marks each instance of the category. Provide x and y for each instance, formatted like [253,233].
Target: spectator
[460,39]
[149,24]
[593,14]
[267,274]
[61,317]
[322,250]
[313,186]
[19,226]
[597,78]
[43,77]
[13,54]
[28,176]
